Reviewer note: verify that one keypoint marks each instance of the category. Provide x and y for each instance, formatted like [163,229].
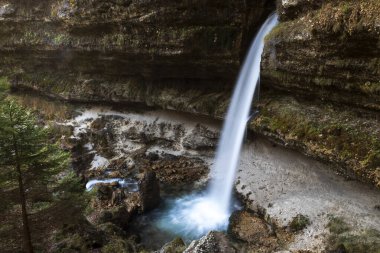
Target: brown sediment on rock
[179,170]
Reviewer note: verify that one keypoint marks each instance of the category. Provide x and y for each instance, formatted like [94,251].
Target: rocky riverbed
[290,201]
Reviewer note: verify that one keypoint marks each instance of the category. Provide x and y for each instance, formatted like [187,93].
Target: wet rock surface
[201,138]
[121,145]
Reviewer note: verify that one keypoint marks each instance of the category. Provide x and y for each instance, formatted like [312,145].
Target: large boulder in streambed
[149,191]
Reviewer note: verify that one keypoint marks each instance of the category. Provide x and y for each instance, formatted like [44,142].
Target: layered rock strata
[320,68]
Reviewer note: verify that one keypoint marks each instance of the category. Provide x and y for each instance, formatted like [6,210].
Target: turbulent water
[194,215]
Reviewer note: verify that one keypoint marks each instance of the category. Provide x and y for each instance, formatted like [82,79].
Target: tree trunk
[28,247]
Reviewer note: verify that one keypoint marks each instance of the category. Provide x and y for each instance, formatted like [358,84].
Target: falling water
[227,155]
[194,215]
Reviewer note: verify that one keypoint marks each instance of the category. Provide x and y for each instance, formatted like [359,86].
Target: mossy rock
[175,246]
[299,222]
[337,225]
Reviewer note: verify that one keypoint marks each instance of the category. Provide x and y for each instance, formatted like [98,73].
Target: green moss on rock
[332,133]
[337,225]
[4,84]
[299,222]
[329,50]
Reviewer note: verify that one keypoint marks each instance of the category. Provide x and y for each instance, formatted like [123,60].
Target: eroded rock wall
[326,49]
[127,51]
[321,71]
[320,68]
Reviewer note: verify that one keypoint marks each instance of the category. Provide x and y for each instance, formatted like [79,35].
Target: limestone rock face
[201,139]
[322,64]
[291,9]
[330,52]
[128,51]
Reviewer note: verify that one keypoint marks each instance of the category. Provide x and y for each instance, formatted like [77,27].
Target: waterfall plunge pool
[189,216]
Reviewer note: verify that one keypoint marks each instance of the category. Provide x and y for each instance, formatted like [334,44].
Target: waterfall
[227,156]
[194,215]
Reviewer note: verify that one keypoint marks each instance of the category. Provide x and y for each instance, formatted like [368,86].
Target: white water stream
[195,215]
[228,152]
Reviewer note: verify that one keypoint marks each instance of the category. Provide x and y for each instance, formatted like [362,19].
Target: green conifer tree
[25,150]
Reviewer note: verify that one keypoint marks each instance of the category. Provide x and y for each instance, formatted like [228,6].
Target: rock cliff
[330,51]
[151,52]
[321,71]
[320,68]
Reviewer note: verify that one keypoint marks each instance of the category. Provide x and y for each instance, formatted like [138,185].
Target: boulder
[111,229]
[149,191]
[299,222]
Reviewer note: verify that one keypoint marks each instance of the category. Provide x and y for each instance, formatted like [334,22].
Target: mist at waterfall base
[194,215]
